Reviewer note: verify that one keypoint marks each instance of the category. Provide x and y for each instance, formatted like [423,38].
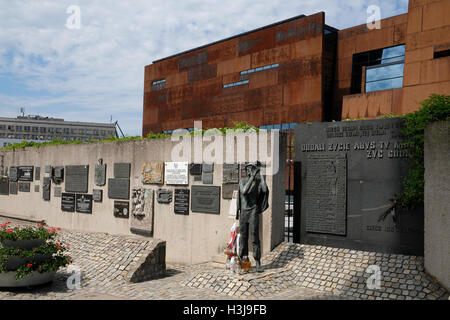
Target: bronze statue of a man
[253,199]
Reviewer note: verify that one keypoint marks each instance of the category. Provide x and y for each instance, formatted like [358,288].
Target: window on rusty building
[159,85]
[379,69]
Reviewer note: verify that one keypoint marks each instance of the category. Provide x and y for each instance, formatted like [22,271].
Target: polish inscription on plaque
[153,173]
[57,191]
[24,186]
[37,173]
[100,173]
[83,203]
[121,209]
[164,196]
[119,188]
[13,174]
[326,198]
[46,186]
[181,203]
[122,170]
[25,173]
[207,173]
[77,178]
[176,173]
[205,199]
[4,186]
[97,195]
[68,202]
[13,187]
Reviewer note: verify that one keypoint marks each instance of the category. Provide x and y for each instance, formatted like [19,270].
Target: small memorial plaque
[25,173]
[57,192]
[37,173]
[119,188]
[198,178]
[176,173]
[68,202]
[97,195]
[83,203]
[195,169]
[36,188]
[48,169]
[77,178]
[153,173]
[58,175]
[230,173]
[228,189]
[24,186]
[100,173]
[13,187]
[46,188]
[122,170]
[205,199]
[121,209]
[13,174]
[4,186]
[164,196]
[181,203]
[208,167]
[142,211]
[207,177]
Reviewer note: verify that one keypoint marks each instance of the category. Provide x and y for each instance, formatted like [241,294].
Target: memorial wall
[136,188]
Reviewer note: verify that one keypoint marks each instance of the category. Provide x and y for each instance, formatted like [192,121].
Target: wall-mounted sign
[25,173]
[68,202]
[83,203]
[205,199]
[121,209]
[181,203]
[177,173]
[153,173]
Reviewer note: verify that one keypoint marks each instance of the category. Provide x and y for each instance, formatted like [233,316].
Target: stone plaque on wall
[13,174]
[68,202]
[228,189]
[37,173]
[119,188]
[13,187]
[164,196]
[46,186]
[121,209]
[122,170]
[48,169]
[36,188]
[181,203]
[153,173]
[325,201]
[4,186]
[100,173]
[58,175]
[207,173]
[57,192]
[205,199]
[142,211]
[208,167]
[230,173]
[97,195]
[195,169]
[176,173]
[77,178]
[83,203]
[25,173]
[24,186]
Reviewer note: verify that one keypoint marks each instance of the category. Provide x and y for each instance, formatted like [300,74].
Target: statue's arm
[263,183]
[248,184]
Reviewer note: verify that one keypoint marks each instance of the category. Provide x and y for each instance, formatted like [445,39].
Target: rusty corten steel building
[301,70]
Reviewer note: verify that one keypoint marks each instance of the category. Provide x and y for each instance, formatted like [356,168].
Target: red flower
[68,246]
[29,265]
[39,225]
[10,230]
[58,228]
[58,246]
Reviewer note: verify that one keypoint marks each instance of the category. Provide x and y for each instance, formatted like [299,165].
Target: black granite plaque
[13,187]
[25,173]
[68,202]
[97,195]
[325,200]
[13,176]
[83,203]
[77,178]
[119,188]
[36,188]
[121,209]
[207,177]
[122,170]
[58,175]
[57,192]
[195,169]
[46,186]
[227,190]
[164,196]
[100,173]
[181,203]
[205,199]
[230,173]
[37,173]
[4,186]
[24,186]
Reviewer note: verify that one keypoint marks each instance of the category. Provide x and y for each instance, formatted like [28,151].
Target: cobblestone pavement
[291,271]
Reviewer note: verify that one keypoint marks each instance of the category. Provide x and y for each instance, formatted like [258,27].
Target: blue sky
[97,71]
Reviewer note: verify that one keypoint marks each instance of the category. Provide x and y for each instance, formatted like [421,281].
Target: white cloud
[98,71]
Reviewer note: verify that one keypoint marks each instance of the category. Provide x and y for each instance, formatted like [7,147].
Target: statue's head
[250,167]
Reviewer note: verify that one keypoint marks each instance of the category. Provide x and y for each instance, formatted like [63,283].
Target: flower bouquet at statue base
[233,263]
